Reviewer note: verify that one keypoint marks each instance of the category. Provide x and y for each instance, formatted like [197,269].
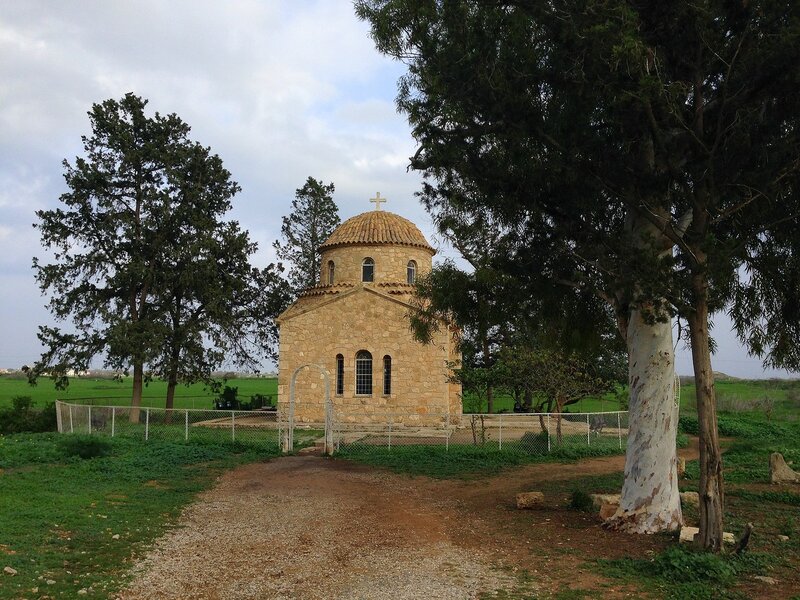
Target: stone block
[779,471]
[608,510]
[530,499]
[600,499]
[690,498]
[688,533]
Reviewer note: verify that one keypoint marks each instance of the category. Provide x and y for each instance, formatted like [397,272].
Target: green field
[771,398]
[118,393]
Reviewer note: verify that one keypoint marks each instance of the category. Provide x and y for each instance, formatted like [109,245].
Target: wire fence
[343,429]
[532,433]
[257,429]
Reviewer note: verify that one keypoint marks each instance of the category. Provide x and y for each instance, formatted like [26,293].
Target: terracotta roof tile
[377,227]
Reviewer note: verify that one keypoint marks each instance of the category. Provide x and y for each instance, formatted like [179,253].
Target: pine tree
[312,220]
[145,269]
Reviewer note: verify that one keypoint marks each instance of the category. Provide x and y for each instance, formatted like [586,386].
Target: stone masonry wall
[363,320]
[390,262]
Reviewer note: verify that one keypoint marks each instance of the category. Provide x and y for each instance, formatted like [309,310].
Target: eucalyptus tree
[644,151]
[313,218]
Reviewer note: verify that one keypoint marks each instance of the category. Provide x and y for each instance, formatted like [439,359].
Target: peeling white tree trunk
[650,500]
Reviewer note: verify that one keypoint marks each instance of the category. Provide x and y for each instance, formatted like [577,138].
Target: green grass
[746,458]
[682,573]
[118,393]
[59,513]
[505,403]
[440,462]
[778,399]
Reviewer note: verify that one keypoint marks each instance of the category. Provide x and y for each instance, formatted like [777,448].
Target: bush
[85,446]
[228,399]
[580,500]
[22,418]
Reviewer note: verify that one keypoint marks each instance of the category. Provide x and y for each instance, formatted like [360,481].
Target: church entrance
[325,410]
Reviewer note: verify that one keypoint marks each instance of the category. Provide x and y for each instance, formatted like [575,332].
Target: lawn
[85,390]
[68,523]
[60,514]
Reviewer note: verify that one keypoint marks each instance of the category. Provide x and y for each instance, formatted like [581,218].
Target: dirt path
[310,527]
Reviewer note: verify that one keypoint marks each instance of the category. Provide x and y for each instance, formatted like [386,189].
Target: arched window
[363,373]
[368,270]
[339,374]
[387,375]
[411,272]
[330,272]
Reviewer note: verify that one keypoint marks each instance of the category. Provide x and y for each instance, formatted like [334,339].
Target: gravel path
[308,527]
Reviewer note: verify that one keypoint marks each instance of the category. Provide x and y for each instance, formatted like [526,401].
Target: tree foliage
[145,268]
[313,218]
[646,152]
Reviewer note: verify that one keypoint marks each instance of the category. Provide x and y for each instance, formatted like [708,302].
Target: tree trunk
[650,500]
[559,408]
[172,383]
[136,398]
[527,401]
[711,483]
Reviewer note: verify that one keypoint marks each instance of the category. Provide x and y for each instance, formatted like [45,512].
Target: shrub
[228,399]
[84,446]
[580,500]
[22,418]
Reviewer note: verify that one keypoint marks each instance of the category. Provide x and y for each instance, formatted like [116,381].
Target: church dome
[377,227]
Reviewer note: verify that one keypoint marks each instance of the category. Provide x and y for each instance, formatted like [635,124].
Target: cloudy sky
[279,89]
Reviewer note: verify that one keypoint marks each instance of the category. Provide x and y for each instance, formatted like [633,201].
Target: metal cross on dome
[377,200]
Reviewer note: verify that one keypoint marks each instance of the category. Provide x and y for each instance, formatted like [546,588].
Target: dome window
[411,272]
[331,268]
[368,270]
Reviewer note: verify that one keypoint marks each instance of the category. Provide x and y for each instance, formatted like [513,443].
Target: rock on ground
[779,471]
[688,533]
[530,499]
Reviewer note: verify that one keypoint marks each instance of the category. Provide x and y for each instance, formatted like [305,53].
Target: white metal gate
[288,436]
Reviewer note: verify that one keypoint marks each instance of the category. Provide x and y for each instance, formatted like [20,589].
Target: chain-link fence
[527,432]
[251,428]
[348,431]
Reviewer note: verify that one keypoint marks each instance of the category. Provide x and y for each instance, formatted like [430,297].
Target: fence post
[588,431]
[619,432]
[146,424]
[233,426]
[548,432]
[501,431]
[90,419]
[186,434]
[113,419]
[71,428]
[59,424]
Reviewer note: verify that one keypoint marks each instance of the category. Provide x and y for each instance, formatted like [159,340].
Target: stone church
[354,324]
